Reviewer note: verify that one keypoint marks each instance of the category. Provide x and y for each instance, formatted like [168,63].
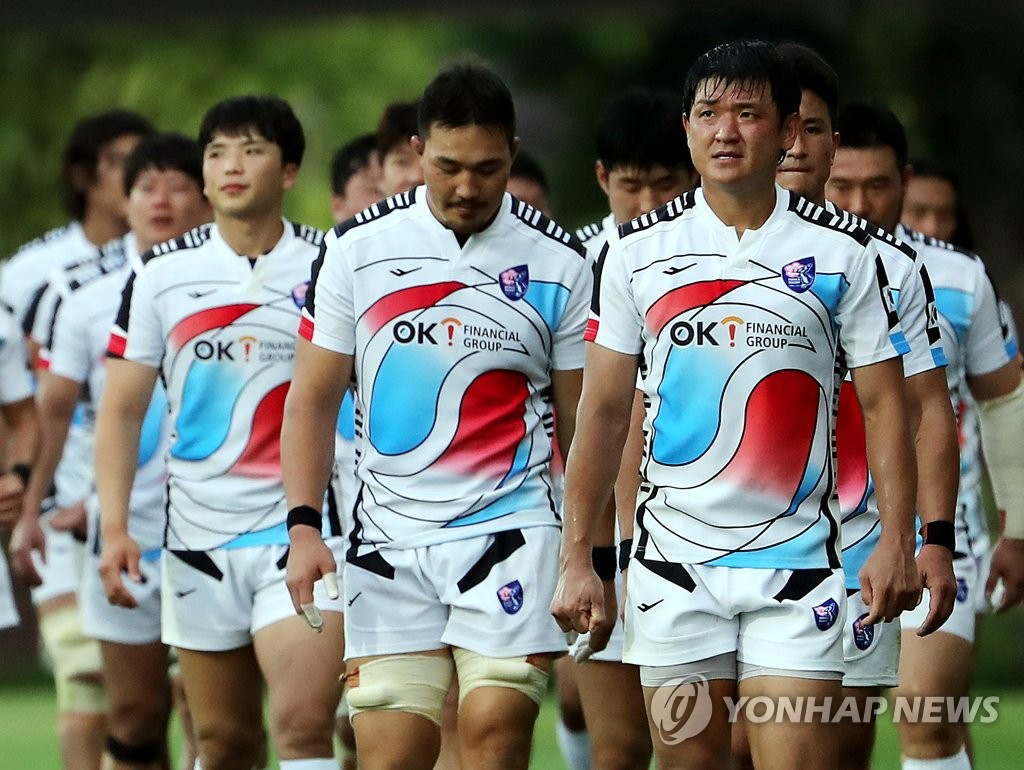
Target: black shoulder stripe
[917,237]
[665,213]
[880,235]
[111,257]
[310,301]
[592,230]
[595,301]
[526,213]
[46,237]
[376,211]
[309,234]
[822,217]
[190,240]
[29,319]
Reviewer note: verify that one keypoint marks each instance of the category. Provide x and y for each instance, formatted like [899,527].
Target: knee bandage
[77,665]
[514,673]
[142,754]
[417,684]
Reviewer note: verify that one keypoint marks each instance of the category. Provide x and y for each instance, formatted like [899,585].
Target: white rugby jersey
[15,382]
[595,235]
[915,300]
[746,341]
[29,267]
[221,329]
[453,349]
[77,347]
[978,339]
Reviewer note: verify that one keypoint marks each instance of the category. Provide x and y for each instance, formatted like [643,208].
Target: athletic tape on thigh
[72,653]
[417,684]
[477,670]
[75,696]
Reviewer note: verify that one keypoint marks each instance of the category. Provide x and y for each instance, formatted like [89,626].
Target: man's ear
[417,144]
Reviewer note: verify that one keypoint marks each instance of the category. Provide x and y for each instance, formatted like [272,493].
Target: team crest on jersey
[299,294]
[799,275]
[961,590]
[511,597]
[515,281]
[826,615]
[863,635]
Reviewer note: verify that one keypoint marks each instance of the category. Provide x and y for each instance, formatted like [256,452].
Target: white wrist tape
[1002,433]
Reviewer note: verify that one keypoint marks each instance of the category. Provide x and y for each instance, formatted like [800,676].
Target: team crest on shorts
[961,590]
[826,615]
[515,281]
[863,635]
[299,294]
[511,597]
[799,275]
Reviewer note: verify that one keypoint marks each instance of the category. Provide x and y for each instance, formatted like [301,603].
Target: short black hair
[164,152]
[270,116]
[641,128]
[467,94]
[397,124]
[744,63]
[82,151]
[525,166]
[813,73]
[350,159]
[864,126]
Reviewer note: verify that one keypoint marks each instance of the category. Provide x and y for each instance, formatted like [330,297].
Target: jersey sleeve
[137,334]
[41,314]
[869,326]
[15,382]
[328,318]
[916,308]
[615,321]
[68,352]
[568,351]
[988,344]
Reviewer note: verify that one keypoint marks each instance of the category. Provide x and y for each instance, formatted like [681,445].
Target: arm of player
[627,483]
[56,399]
[602,423]
[23,432]
[307,458]
[1000,397]
[938,471]
[889,579]
[126,395]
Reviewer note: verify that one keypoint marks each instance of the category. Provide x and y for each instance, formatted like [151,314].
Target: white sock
[575,746]
[322,763]
[958,761]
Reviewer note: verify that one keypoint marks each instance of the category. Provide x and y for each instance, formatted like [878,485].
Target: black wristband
[625,547]
[305,514]
[604,561]
[22,471]
[939,533]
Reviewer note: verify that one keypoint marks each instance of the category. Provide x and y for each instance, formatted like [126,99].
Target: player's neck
[250,237]
[100,227]
[739,208]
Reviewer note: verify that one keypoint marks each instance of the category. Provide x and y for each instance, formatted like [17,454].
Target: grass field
[27,743]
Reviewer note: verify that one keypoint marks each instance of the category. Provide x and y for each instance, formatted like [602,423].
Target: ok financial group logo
[733,331]
[452,332]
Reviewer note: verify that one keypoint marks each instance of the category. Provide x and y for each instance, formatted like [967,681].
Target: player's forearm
[54,421]
[116,452]
[593,465]
[307,448]
[893,466]
[627,484]
[23,432]
[938,454]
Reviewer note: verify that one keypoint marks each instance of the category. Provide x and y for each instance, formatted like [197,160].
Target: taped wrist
[1002,425]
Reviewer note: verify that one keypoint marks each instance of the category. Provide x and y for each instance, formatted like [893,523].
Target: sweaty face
[400,170]
[163,204]
[867,182]
[633,191]
[736,135]
[929,206]
[807,164]
[244,175]
[466,171]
